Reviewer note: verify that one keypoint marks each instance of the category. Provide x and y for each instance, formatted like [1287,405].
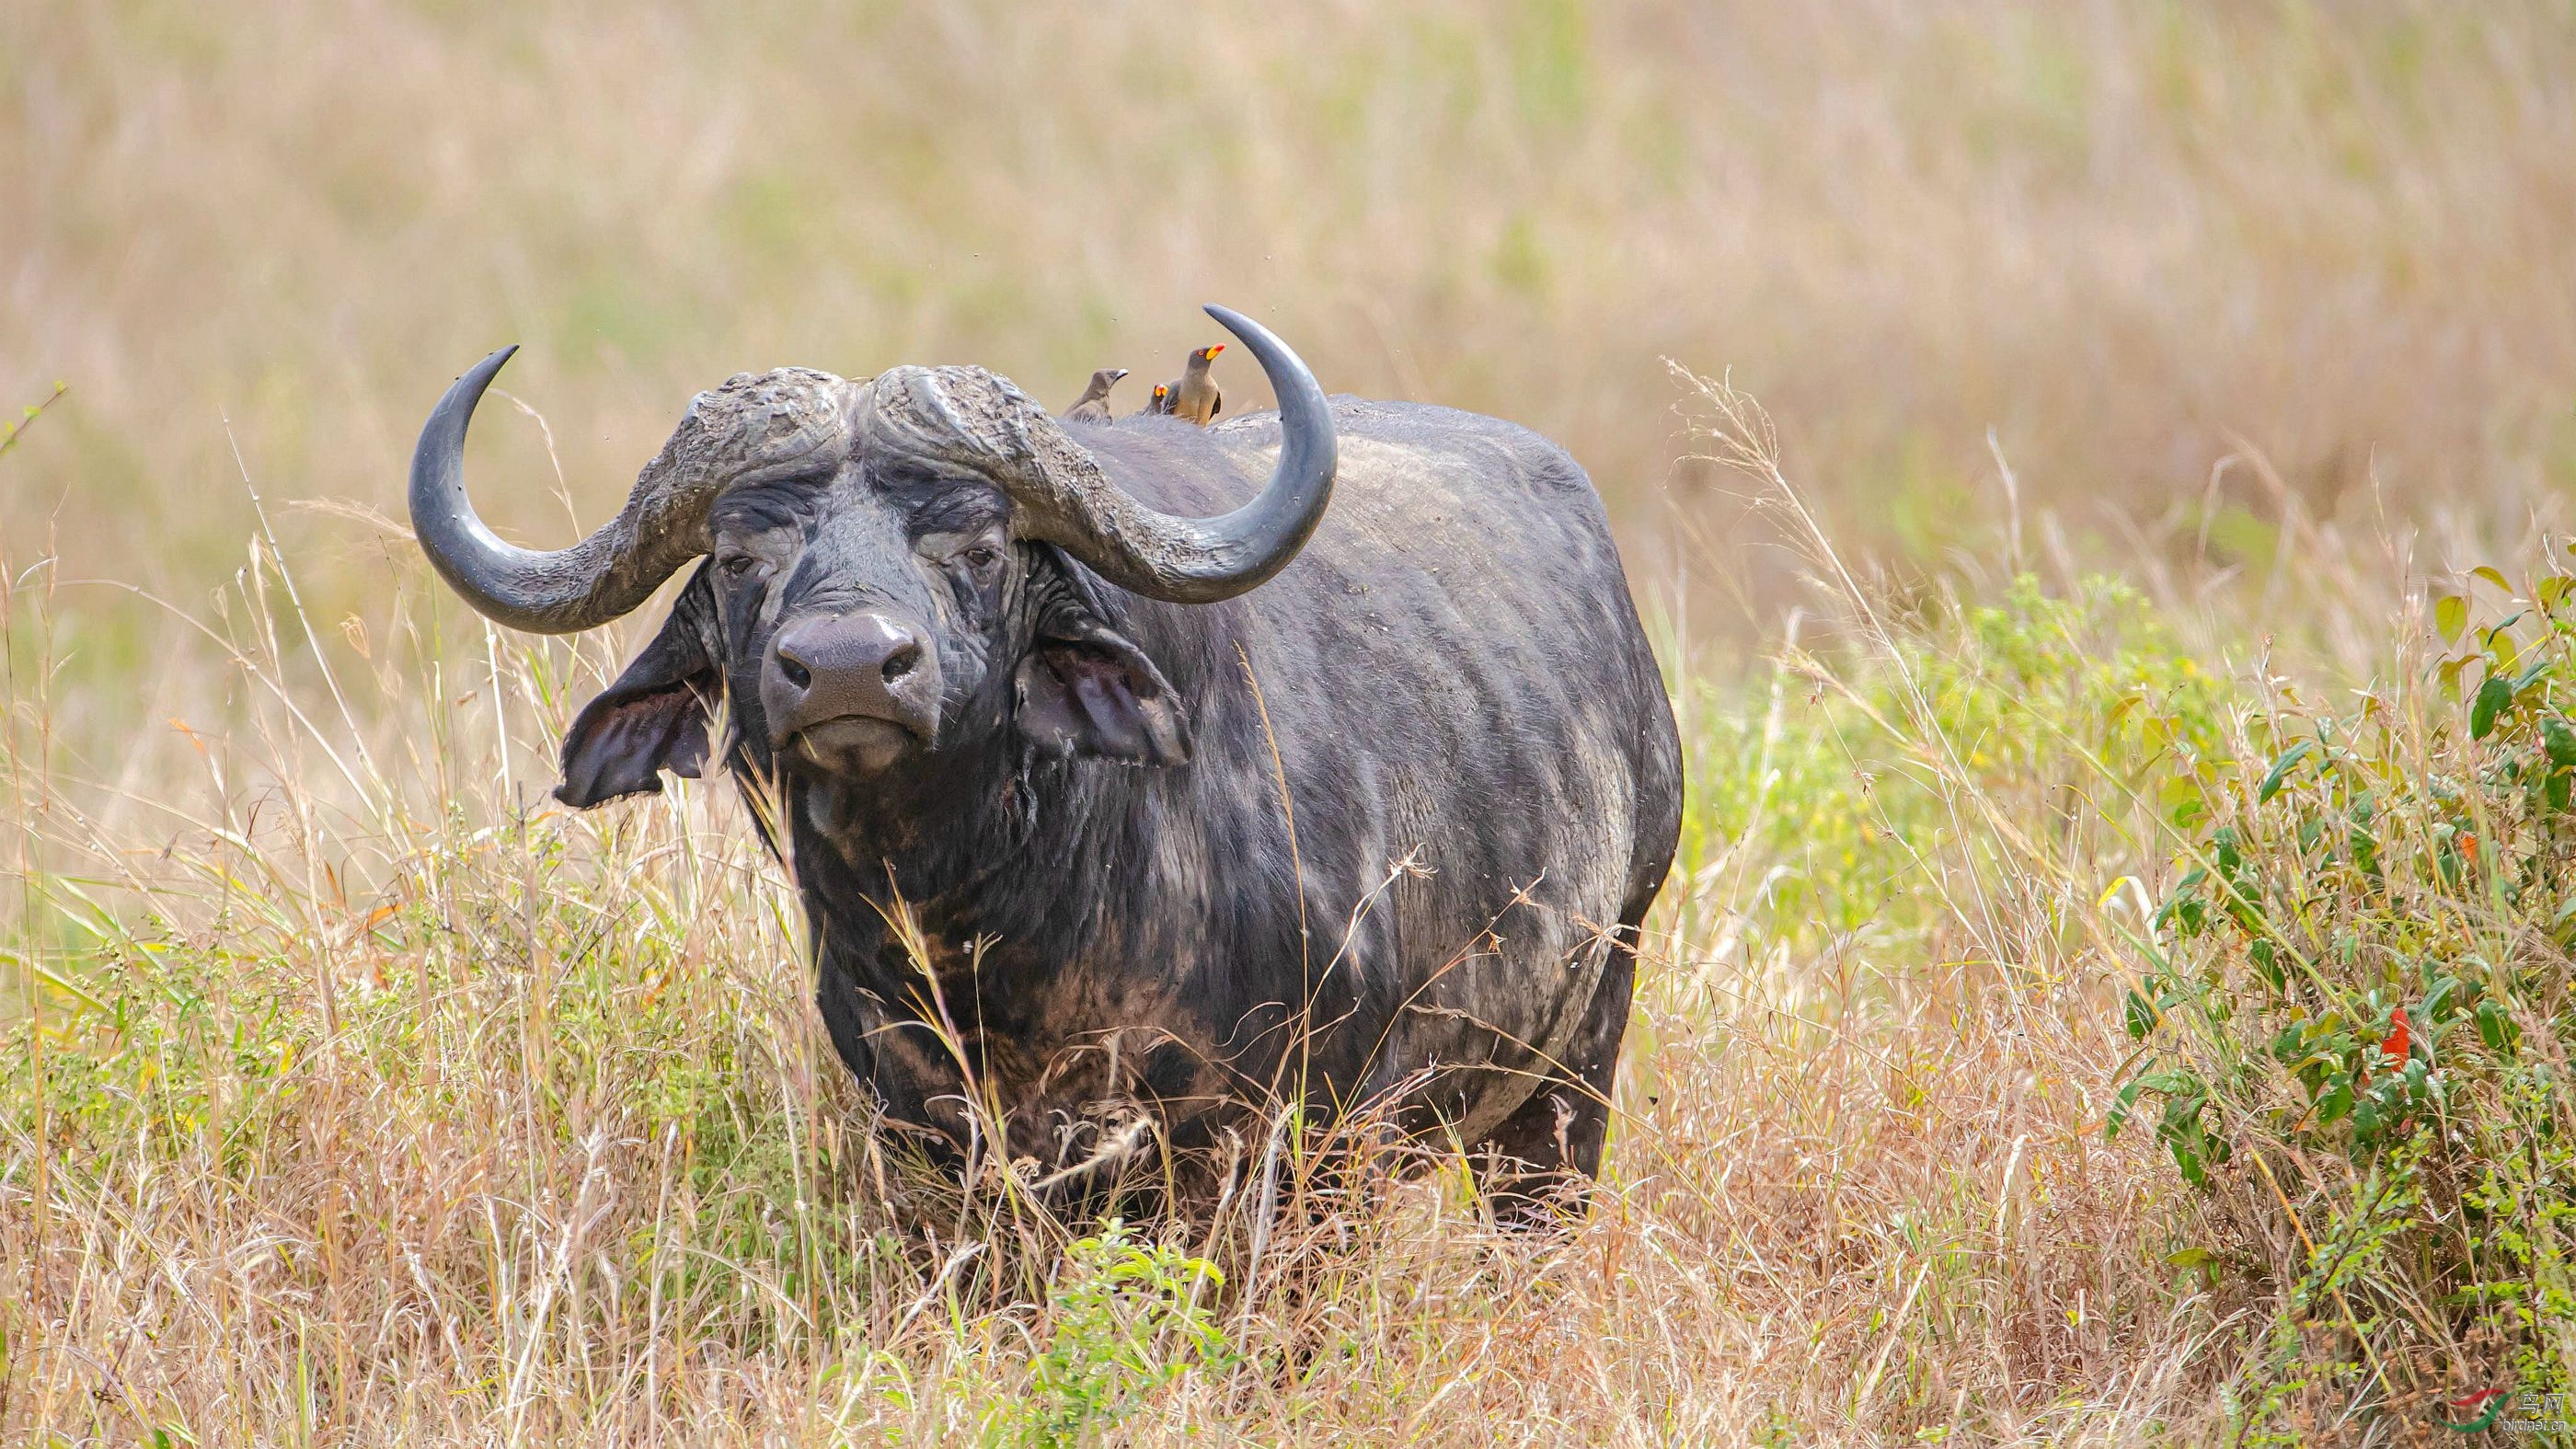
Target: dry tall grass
[366,1099]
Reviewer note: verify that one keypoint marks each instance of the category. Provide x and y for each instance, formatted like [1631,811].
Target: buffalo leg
[846,1020]
[1552,1145]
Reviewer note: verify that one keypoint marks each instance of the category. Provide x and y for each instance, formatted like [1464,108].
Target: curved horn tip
[456,406]
[1288,372]
[1238,324]
[481,373]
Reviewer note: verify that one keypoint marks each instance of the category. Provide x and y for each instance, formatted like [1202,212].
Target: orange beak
[1211,352]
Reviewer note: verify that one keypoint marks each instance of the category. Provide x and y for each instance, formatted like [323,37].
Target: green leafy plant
[2365,946]
[1129,1318]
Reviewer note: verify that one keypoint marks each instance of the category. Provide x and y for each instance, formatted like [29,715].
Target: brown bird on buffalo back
[1162,401]
[1194,394]
[1093,405]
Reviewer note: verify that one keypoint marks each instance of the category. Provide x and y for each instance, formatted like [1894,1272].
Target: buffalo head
[886,574]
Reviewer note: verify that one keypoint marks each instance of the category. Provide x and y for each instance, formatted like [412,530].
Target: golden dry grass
[371,1103]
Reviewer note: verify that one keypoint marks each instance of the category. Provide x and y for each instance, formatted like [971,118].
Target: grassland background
[2270,308]
[2128,240]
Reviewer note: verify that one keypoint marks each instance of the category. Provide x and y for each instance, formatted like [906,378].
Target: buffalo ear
[1086,689]
[654,718]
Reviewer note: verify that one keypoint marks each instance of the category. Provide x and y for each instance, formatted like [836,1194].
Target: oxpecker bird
[1093,405]
[1194,394]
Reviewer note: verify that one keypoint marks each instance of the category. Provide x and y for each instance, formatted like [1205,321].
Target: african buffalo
[1188,801]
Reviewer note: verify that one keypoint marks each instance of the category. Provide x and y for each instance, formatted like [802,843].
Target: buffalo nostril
[795,670]
[902,662]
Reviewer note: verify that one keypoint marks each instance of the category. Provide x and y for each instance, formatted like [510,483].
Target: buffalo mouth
[855,744]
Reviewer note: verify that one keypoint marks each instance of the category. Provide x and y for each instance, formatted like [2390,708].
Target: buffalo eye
[981,556]
[738,565]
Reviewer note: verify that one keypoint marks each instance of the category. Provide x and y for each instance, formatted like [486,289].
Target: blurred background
[335,1028]
[2192,271]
